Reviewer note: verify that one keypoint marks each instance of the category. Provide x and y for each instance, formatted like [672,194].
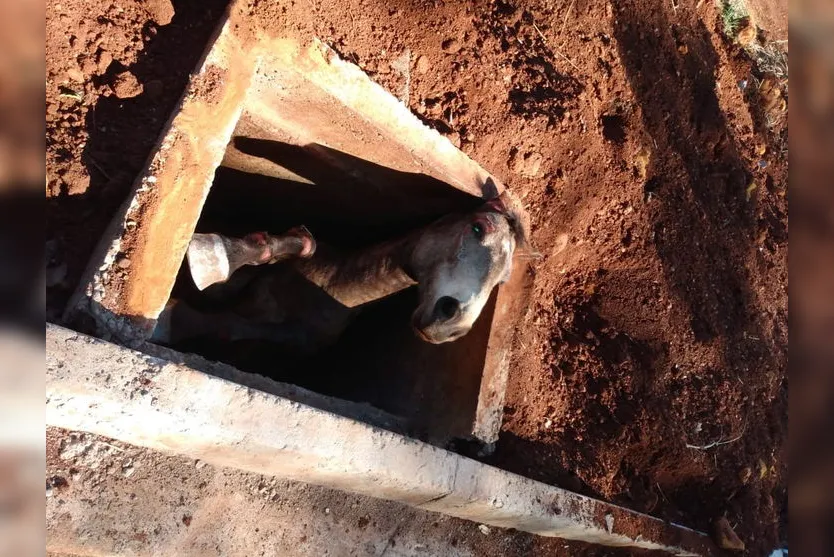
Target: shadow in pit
[122,133]
[339,193]
[347,202]
[704,227]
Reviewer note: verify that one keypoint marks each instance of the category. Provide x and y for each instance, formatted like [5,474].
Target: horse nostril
[446,308]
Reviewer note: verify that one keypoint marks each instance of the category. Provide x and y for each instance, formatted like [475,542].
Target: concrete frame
[244,72]
[102,388]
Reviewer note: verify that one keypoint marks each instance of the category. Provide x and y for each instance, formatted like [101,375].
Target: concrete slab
[105,389]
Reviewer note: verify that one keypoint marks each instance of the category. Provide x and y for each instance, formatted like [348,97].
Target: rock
[162,11]
[484,529]
[88,67]
[725,537]
[75,74]
[123,263]
[528,165]
[103,60]
[126,86]
[450,46]
[422,65]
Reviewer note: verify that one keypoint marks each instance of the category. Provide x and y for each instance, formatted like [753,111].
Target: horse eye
[478,230]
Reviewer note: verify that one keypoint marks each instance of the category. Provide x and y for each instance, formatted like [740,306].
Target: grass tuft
[734,14]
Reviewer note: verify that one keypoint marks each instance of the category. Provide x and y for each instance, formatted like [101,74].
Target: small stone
[103,61]
[123,263]
[161,11]
[75,74]
[484,529]
[450,46]
[126,86]
[761,148]
[527,165]
[725,537]
[422,65]
[200,464]
[327,510]
[88,66]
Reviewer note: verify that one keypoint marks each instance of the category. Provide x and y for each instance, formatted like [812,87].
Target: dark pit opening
[349,202]
[614,128]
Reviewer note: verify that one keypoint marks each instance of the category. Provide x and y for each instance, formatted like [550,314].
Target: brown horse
[307,301]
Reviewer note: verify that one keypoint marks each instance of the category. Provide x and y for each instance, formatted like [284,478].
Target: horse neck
[362,276]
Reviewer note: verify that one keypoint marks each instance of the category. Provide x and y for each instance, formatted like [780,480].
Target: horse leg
[179,322]
[213,258]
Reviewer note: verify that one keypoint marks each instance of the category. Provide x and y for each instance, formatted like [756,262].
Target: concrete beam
[152,229]
[147,401]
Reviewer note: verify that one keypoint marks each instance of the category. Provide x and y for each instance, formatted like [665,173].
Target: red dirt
[659,314]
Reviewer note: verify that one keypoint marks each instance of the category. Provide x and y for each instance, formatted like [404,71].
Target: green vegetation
[733,13]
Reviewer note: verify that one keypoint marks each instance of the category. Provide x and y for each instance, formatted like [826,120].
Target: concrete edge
[102,388]
[154,224]
[510,304]
[362,412]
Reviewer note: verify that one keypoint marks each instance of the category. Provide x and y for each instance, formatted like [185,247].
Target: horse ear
[519,221]
[489,189]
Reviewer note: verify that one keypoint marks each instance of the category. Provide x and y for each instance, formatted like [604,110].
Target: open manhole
[275,133]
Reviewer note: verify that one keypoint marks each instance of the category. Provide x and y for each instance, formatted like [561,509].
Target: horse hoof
[296,242]
[308,243]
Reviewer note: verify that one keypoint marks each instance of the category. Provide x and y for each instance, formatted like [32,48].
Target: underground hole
[378,359]
[613,128]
